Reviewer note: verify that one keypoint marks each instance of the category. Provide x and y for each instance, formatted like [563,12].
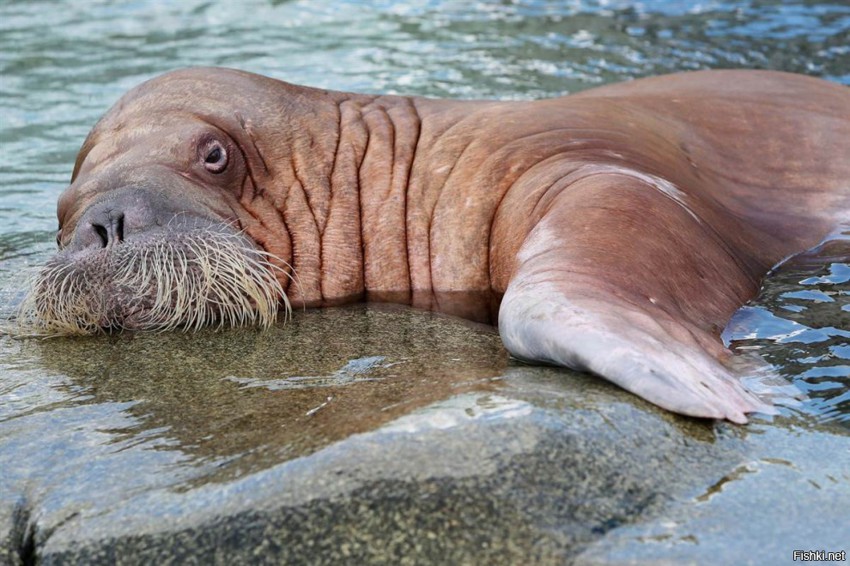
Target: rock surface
[384,435]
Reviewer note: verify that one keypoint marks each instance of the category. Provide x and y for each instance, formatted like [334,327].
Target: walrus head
[173,215]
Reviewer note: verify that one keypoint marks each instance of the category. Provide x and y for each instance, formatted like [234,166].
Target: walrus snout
[160,279]
[131,213]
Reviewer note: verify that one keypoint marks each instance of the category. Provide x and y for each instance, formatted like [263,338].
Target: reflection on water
[245,400]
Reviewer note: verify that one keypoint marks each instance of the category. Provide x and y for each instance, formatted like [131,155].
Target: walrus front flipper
[625,346]
[620,280]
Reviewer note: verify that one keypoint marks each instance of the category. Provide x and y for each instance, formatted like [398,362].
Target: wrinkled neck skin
[375,205]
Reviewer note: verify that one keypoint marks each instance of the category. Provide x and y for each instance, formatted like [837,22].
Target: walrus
[617,229]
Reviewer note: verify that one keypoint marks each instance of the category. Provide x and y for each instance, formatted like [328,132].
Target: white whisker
[182,280]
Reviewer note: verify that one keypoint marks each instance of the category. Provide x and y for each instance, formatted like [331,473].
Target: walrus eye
[215,158]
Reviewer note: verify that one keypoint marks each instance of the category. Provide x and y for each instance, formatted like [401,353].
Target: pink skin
[623,225]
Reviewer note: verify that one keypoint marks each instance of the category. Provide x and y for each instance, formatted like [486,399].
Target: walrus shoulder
[640,303]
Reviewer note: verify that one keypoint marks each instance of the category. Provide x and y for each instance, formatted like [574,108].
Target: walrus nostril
[102,234]
[118,226]
[112,231]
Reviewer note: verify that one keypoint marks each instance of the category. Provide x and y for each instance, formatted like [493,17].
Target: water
[62,67]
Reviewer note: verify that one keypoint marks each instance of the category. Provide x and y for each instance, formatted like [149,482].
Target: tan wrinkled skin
[650,210]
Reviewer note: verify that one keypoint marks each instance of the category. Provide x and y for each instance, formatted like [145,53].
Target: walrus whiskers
[187,280]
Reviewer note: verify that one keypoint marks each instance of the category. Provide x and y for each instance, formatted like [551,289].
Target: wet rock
[381,435]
